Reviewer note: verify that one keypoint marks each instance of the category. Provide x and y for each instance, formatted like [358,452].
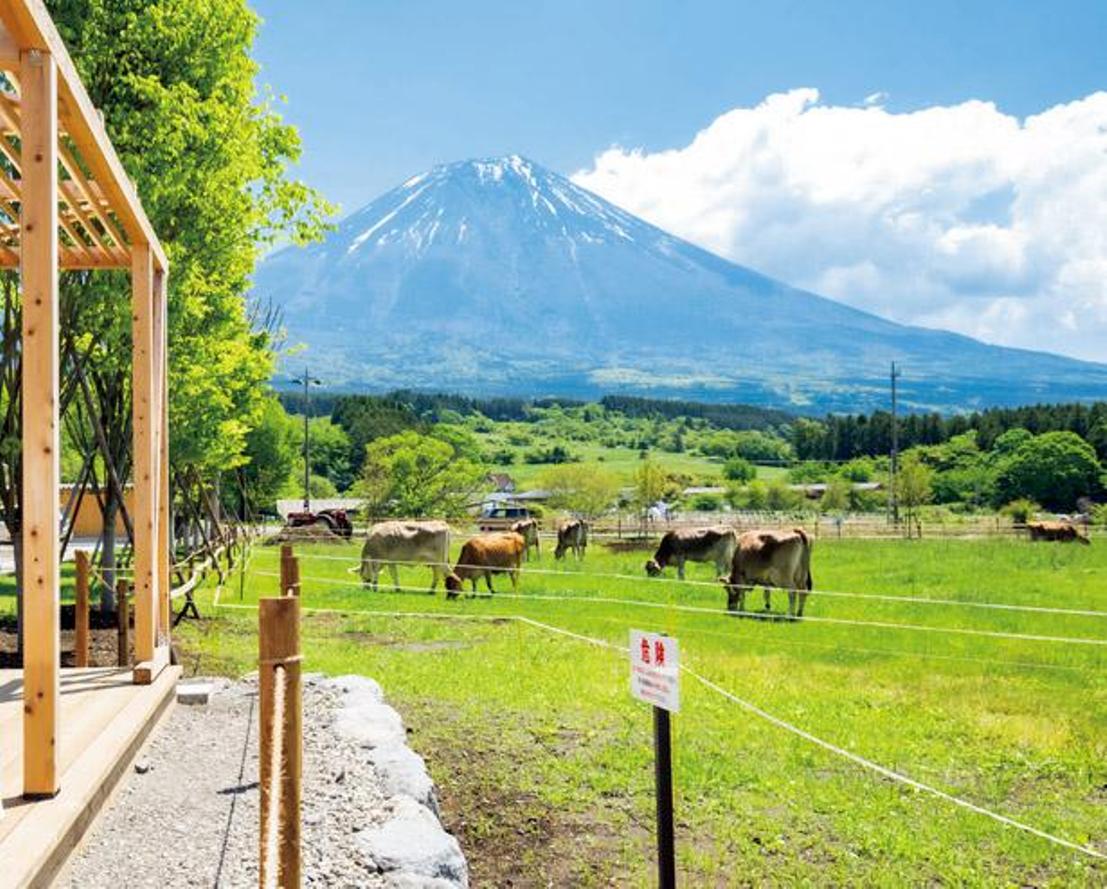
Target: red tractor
[336,520]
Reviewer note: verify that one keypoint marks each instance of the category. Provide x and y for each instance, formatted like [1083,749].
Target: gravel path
[187,814]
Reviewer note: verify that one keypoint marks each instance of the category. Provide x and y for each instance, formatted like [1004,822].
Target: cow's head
[653,568]
[453,585]
[735,592]
[559,550]
[1084,539]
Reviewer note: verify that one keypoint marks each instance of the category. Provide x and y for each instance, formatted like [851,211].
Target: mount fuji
[498,276]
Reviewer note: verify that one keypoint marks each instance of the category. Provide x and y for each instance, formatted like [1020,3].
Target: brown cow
[780,559]
[572,534]
[528,530]
[484,556]
[716,544]
[1064,532]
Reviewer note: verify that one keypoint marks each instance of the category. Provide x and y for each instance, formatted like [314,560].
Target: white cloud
[961,216]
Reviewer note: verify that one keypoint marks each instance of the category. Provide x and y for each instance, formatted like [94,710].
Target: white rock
[412,843]
[402,772]
[357,686]
[368,723]
[415,881]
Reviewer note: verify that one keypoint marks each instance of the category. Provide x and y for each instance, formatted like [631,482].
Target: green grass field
[545,761]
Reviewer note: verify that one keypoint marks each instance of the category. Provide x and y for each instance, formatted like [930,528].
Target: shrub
[737,469]
[705,503]
[1020,511]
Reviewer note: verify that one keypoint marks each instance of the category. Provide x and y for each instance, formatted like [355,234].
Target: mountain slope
[501,276]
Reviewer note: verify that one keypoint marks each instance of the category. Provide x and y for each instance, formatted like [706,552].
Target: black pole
[663,774]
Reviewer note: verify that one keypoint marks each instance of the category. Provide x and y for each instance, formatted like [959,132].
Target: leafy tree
[1021,511]
[1053,469]
[836,496]
[271,452]
[913,486]
[581,489]
[412,474]
[1010,441]
[651,484]
[705,502]
[737,469]
[781,498]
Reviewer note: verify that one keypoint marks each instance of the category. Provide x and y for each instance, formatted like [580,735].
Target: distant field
[545,761]
[625,462]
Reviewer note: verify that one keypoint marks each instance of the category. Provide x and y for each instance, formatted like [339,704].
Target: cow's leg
[768,599]
[733,598]
[434,577]
[791,603]
[514,575]
[802,602]
[680,568]
[394,570]
[488,581]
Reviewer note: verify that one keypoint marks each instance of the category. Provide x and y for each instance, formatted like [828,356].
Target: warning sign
[655,670]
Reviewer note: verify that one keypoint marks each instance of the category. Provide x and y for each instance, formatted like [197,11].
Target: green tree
[836,497]
[736,469]
[271,452]
[585,490]
[412,474]
[1052,469]
[914,482]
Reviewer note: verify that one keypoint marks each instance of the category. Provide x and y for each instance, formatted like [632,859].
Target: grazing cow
[1065,532]
[528,530]
[572,534]
[780,559]
[484,556]
[716,544]
[396,543]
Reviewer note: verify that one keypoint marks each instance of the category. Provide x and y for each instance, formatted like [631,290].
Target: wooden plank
[36,839]
[147,672]
[41,583]
[146,473]
[9,49]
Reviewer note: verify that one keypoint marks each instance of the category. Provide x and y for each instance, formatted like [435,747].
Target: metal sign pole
[663,775]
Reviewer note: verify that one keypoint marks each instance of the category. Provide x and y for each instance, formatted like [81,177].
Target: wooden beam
[9,49]
[30,25]
[41,582]
[146,472]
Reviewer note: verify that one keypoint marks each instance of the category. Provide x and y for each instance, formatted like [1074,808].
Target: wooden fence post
[123,613]
[281,740]
[290,571]
[80,648]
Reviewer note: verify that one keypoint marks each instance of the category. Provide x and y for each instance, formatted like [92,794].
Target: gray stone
[415,881]
[357,686]
[368,723]
[402,772]
[413,844]
[194,693]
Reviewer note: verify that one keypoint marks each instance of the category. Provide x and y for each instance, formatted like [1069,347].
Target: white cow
[403,543]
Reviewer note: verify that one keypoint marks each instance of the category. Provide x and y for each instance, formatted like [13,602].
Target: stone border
[411,848]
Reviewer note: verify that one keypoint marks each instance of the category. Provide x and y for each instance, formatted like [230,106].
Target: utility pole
[307,381]
[895,448]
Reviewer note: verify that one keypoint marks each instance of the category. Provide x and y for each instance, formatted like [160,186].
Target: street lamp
[307,381]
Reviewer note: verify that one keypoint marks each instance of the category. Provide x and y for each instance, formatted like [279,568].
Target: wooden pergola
[67,203]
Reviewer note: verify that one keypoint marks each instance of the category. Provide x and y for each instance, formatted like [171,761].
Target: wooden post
[279,662]
[39,273]
[290,571]
[80,649]
[123,615]
[161,302]
[146,448]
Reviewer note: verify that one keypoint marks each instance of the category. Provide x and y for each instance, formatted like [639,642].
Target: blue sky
[382,89]
[939,163]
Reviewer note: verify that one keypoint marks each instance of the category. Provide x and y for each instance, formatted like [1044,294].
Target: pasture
[545,762]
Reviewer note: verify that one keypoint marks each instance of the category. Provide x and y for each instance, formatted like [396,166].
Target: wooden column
[80,646]
[164,556]
[39,270]
[147,417]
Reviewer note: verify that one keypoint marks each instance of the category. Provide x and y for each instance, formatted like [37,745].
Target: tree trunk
[107,554]
[17,558]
